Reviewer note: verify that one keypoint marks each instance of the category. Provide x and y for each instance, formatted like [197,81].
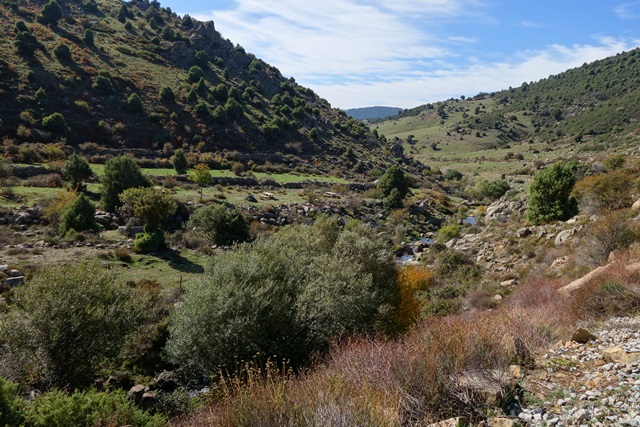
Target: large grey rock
[14,281]
[136,392]
[563,236]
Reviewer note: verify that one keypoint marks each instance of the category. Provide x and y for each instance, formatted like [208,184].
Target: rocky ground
[593,383]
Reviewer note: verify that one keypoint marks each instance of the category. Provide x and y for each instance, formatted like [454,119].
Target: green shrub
[88,408]
[195,74]
[51,13]
[219,225]
[220,92]
[490,189]
[41,96]
[76,169]
[180,162]
[68,322]
[148,242]
[134,103]
[103,85]
[120,173]
[79,216]
[88,38]
[54,123]
[202,59]
[393,179]
[287,295]
[220,115]
[11,405]
[550,194]
[152,206]
[26,43]
[448,232]
[453,175]
[167,95]
[62,52]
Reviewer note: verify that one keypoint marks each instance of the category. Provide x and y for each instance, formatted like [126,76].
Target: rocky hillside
[136,75]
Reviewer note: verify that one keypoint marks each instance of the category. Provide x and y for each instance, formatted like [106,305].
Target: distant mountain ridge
[372,113]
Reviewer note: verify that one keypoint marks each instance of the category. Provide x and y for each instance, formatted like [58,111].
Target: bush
[120,173]
[76,169]
[167,95]
[550,194]
[490,189]
[79,216]
[134,103]
[11,405]
[286,295]
[453,175]
[609,233]
[88,408]
[102,84]
[54,123]
[66,323]
[195,74]
[180,162]
[605,193]
[150,241]
[88,38]
[51,13]
[219,225]
[448,232]
[393,179]
[62,52]
[152,206]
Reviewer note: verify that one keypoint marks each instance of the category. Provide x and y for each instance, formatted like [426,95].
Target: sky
[406,53]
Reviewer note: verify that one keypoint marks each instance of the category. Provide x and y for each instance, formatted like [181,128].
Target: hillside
[372,113]
[137,76]
[581,112]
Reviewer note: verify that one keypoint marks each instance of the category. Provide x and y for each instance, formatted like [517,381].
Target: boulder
[636,205]
[502,422]
[563,236]
[136,392]
[149,400]
[451,422]
[582,336]
[251,198]
[167,381]
[14,281]
[618,355]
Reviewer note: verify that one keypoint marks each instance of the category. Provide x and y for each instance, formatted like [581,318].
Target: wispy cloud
[531,24]
[628,11]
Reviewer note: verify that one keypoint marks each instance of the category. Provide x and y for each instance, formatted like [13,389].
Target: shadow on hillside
[180,263]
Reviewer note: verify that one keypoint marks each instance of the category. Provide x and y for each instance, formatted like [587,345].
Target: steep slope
[586,110]
[136,75]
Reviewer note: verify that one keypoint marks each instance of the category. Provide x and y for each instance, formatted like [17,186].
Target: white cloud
[628,11]
[451,82]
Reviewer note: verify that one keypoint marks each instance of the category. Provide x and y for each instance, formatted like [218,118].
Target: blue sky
[405,53]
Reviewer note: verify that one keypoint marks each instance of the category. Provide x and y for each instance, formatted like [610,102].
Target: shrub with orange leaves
[411,281]
[53,208]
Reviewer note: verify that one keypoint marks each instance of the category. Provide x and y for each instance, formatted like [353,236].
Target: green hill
[582,112]
[372,113]
[108,74]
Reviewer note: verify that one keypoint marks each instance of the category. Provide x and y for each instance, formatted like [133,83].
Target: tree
[51,13]
[201,176]
[79,216]
[287,295]
[167,95]
[153,207]
[550,194]
[134,103]
[88,38]
[219,225]
[180,163]
[120,173]
[195,74]
[62,52]
[66,323]
[202,59]
[393,179]
[76,169]
[26,43]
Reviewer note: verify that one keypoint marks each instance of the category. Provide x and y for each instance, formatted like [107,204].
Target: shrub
[62,52]
[167,95]
[88,408]
[606,192]
[51,13]
[76,169]
[220,92]
[134,103]
[41,96]
[609,233]
[202,59]
[68,321]
[53,208]
[195,74]
[453,175]
[120,173]
[122,254]
[393,179]
[550,194]
[286,295]
[180,162]
[411,281]
[88,38]
[220,115]
[152,206]
[78,216]
[102,84]
[448,232]
[26,43]
[490,189]
[201,110]
[149,241]
[219,225]
[11,405]
[54,123]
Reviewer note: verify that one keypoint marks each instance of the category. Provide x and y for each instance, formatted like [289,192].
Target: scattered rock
[582,336]
[618,355]
[451,422]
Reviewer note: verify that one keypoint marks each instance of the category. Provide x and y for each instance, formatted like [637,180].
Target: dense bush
[55,123]
[87,408]
[605,193]
[134,103]
[180,162]
[393,187]
[79,216]
[219,225]
[152,206]
[11,405]
[62,52]
[550,194]
[167,95]
[490,189]
[120,173]
[51,13]
[286,295]
[611,232]
[65,323]
[195,74]
[76,169]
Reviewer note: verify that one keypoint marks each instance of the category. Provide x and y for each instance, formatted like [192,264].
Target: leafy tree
[550,194]
[393,179]
[201,176]
[54,123]
[90,6]
[287,295]
[233,109]
[66,323]
[180,163]
[51,13]
[76,169]
[219,225]
[79,216]
[120,173]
